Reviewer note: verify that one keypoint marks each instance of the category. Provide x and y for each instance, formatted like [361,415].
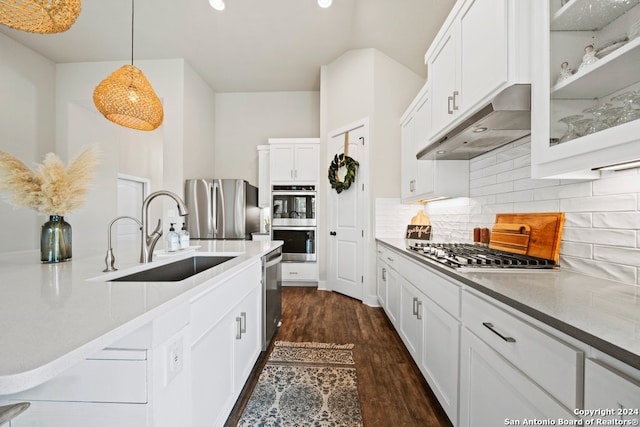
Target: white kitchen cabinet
[299,273]
[607,388]
[423,180]
[554,365]
[440,355]
[387,264]
[294,160]
[561,34]
[225,345]
[381,277]
[264,179]
[482,48]
[411,301]
[424,308]
[493,391]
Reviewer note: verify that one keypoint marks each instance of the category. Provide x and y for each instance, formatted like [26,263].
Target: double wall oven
[294,221]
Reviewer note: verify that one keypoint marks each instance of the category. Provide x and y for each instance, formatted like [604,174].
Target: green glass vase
[55,240]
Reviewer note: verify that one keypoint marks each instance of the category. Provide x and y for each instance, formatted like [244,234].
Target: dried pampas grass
[52,189]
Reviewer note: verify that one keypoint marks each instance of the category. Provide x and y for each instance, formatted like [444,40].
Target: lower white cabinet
[411,318]
[605,388]
[225,345]
[297,273]
[381,278]
[493,391]
[422,306]
[440,354]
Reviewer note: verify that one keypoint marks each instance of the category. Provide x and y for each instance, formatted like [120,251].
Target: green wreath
[350,164]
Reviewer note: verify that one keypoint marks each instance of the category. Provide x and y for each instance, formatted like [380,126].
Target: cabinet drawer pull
[449,101]
[455,96]
[243,322]
[390,259]
[419,310]
[491,328]
[239,330]
[415,306]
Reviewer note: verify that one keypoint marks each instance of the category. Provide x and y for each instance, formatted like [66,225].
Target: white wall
[27,130]
[245,120]
[366,83]
[199,127]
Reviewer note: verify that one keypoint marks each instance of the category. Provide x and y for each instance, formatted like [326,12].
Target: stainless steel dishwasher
[271,294]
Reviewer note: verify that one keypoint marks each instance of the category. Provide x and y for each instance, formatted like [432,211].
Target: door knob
[333,233]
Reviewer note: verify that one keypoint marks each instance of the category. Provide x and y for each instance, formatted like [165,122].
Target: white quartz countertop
[602,313]
[52,316]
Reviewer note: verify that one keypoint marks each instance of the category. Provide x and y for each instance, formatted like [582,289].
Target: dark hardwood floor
[392,389]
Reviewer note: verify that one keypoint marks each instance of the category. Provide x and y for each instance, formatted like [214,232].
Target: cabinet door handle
[293,273]
[333,233]
[419,310]
[449,102]
[455,97]
[384,274]
[415,306]
[243,322]
[491,328]
[239,329]
[291,173]
[390,259]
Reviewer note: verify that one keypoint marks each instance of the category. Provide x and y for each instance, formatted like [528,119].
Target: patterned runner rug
[305,384]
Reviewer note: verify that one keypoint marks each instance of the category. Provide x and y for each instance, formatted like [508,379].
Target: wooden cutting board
[510,237]
[544,233]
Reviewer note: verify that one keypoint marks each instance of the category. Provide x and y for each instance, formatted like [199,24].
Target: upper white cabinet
[483,47]
[596,137]
[264,186]
[294,160]
[423,180]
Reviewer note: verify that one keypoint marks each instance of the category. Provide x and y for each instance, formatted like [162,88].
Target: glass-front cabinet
[586,86]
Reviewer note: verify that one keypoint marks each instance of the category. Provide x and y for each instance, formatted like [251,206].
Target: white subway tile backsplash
[630,220]
[580,250]
[617,185]
[620,202]
[515,196]
[618,255]
[514,174]
[578,219]
[582,189]
[601,236]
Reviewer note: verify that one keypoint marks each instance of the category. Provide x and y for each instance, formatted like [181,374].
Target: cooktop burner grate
[465,255]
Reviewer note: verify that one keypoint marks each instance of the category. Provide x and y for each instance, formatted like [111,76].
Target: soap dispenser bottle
[173,240]
[184,237]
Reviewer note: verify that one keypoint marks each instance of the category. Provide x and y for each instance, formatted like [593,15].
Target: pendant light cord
[132,16]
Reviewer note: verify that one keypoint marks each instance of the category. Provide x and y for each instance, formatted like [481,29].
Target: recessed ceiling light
[480,130]
[324,3]
[217,4]
[441,152]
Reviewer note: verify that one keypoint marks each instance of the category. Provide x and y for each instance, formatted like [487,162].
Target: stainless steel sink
[175,271]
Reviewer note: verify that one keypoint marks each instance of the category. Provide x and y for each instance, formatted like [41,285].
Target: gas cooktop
[463,256]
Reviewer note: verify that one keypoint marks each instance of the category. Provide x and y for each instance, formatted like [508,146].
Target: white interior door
[131,193]
[346,220]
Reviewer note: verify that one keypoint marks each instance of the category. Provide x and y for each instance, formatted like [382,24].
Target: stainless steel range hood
[505,119]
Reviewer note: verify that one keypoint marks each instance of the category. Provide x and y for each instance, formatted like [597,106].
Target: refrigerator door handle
[219,212]
[238,208]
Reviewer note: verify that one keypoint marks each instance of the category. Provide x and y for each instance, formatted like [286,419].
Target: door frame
[364,180]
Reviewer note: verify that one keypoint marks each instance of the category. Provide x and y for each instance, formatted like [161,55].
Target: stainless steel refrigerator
[221,208]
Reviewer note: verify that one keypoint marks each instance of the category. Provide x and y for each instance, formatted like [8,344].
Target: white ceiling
[253,45]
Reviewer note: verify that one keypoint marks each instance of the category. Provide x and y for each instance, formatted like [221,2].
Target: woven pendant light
[39,16]
[127,98]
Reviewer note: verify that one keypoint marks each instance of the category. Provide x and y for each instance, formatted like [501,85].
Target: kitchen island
[57,317]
